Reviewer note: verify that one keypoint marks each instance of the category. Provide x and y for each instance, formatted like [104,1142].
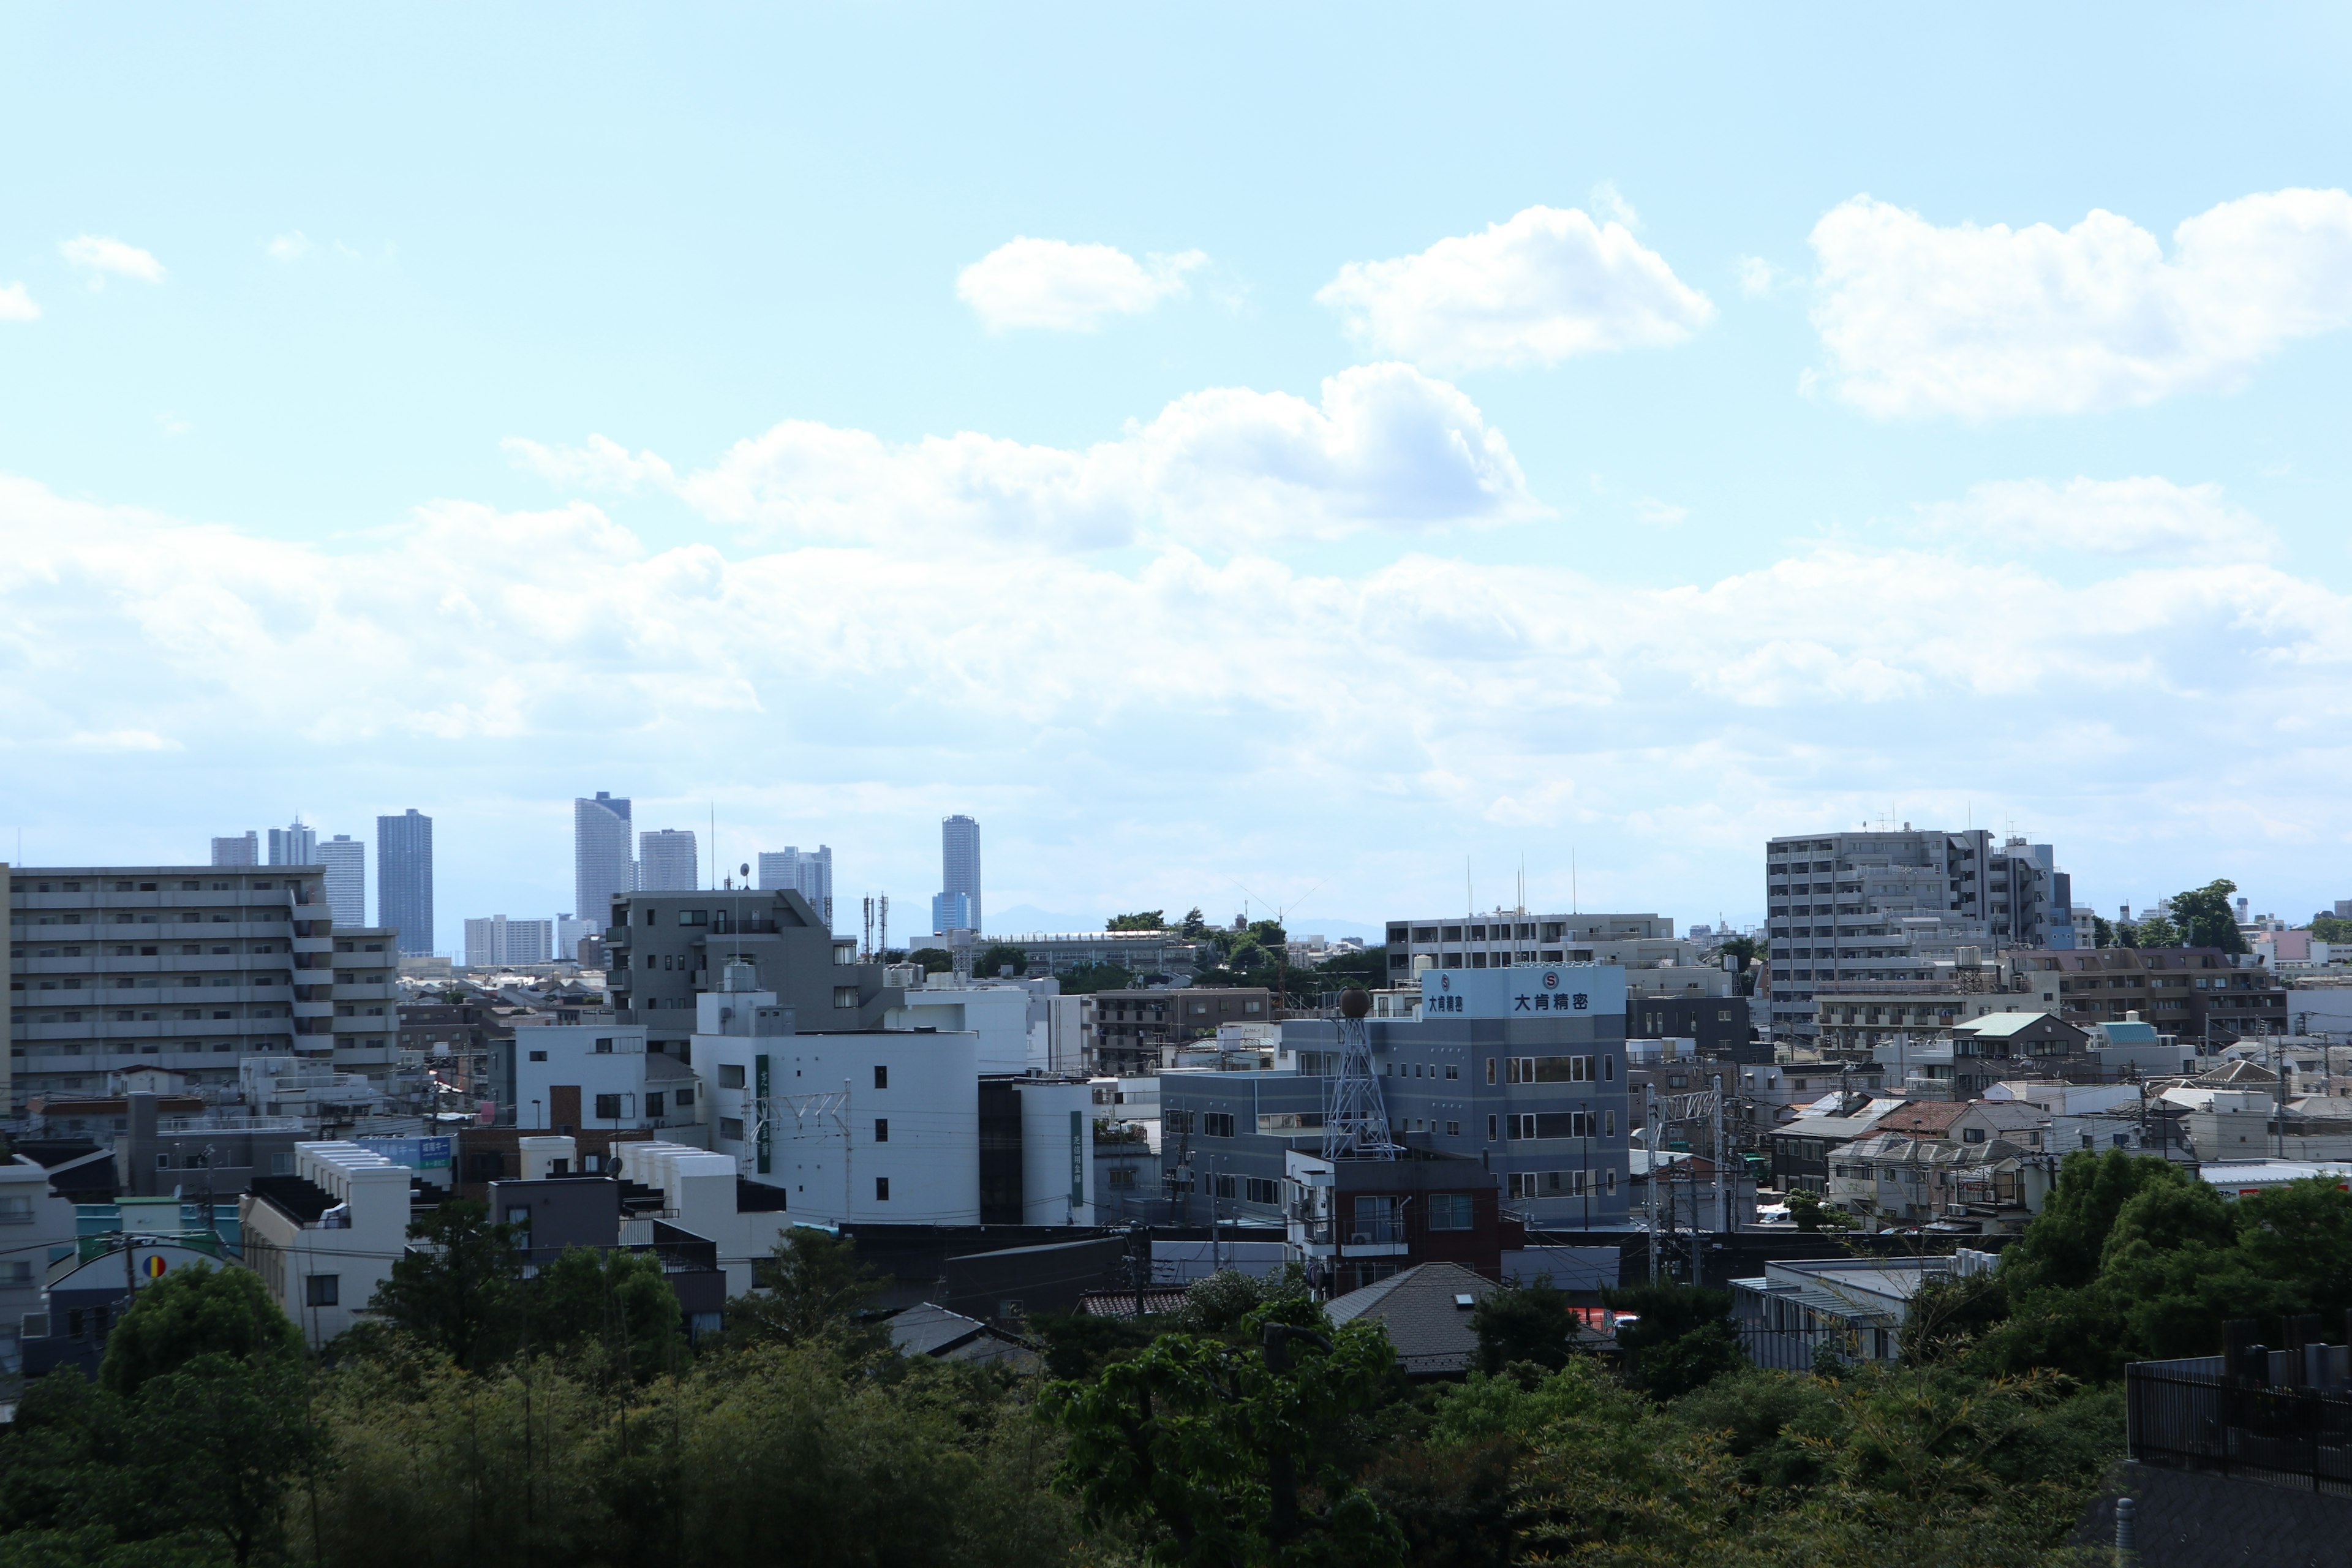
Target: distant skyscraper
[667,862]
[403,869]
[345,858]
[601,861]
[808,874]
[951,912]
[244,849]
[295,846]
[959,869]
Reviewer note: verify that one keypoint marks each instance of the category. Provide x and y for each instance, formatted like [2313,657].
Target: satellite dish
[746,868]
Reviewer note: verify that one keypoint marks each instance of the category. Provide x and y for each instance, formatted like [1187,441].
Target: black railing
[2187,1417]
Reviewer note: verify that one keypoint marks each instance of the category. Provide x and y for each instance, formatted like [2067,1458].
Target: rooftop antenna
[1357,1125]
[1572,908]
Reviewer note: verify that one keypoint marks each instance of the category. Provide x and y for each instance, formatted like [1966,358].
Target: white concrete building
[344,860]
[701,1193]
[323,1238]
[32,1220]
[600,1077]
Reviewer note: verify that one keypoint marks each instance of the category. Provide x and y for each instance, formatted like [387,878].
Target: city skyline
[1609,481]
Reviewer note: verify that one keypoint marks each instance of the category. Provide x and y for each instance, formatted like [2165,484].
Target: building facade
[2197,994]
[188,969]
[497,941]
[664,950]
[808,873]
[1131,1029]
[294,846]
[604,865]
[1507,937]
[1519,1073]
[667,861]
[403,868]
[344,859]
[959,874]
[238,849]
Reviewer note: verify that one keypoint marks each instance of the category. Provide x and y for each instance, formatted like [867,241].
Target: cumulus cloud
[1055,286]
[1384,447]
[2149,517]
[1987,322]
[16,305]
[1549,284]
[102,259]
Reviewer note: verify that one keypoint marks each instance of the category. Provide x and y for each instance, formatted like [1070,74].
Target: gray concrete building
[1536,1096]
[663,950]
[603,859]
[1505,937]
[184,968]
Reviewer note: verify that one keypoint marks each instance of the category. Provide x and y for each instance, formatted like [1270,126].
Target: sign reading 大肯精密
[1524,990]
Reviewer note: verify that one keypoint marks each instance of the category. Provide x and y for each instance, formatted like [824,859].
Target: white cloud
[1758,276]
[1987,322]
[1609,203]
[1384,448]
[102,258]
[290,246]
[1060,287]
[17,305]
[2147,516]
[1549,284]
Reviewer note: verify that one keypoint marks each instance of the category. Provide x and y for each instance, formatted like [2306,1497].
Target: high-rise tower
[603,859]
[345,858]
[667,862]
[404,859]
[959,874]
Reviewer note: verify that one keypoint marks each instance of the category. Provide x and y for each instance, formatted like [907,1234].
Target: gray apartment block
[663,950]
[1537,1099]
[1507,937]
[1850,913]
[184,968]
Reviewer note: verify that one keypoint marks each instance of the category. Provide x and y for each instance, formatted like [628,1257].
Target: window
[845,996]
[682,1099]
[1608,1070]
[608,1107]
[163,1162]
[1454,1129]
[1259,1190]
[322,1290]
[1122,1176]
[881,1130]
[1220,1186]
[1453,1069]
[1490,1129]
[1216,1124]
[282,1164]
[1490,1070]
[881,1076]
[519,1215]
[538,1056]
[17,1210]
[882,1189]
[604,1047]
[1449,1211]
[731,1075]
[731,1129]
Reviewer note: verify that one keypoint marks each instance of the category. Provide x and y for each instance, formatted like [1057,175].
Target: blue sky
[1317,450]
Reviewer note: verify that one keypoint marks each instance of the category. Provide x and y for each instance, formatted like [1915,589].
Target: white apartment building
[1505,937]
[667,862]
[323,1238]
[344,859]
[32,1220]
[496,943]
[602,1078]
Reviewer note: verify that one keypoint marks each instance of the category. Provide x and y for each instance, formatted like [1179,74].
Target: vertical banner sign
[760,1108]
[1077,1159]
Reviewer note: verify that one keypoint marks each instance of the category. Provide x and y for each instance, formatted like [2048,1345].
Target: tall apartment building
[604,865]
[496,941]
[344,860]
[1507,937]
[294,846]
[238,849]
[808,873]
[959,874]
[403,862]
[569,929]
[667,862]
[189,969]
[1863,909]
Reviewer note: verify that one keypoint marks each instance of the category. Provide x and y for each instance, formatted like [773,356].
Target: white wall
[698,1188]
[998,1015]
[822,1105]
[374,1196]
[572,1059]
[1047,1145]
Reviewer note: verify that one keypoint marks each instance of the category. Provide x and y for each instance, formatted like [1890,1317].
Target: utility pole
[1650,1195]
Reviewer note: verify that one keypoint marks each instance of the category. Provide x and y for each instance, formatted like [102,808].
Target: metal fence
[2201,1420]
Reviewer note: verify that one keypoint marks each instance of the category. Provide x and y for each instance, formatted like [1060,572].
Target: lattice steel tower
[1356,1122]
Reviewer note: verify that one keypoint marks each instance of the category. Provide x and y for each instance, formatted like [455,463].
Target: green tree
[457,1294]
[1229,1455]
[1194,927]
[2206,919]
[2329,928]
[1810,1213]
[934,960]
[1534,1323]
[1142,919]
[1747,952]
[196,1311]
[2101,933]
[2152,932]
[615,1305]
[1681,1337]
[997,958]
[1088,978]
[815,1289]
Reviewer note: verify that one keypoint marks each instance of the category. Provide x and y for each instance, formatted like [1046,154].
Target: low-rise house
[90,1279]
[325,1237]
[2018,1123]
[1891,1182]
[2013,1045]
[928,1329]
[34,1222]
[1801,1149]
[1853,1307]
[1427,1312]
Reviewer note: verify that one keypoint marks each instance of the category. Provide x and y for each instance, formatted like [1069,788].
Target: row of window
[183,916]
[186,885]
[1562,1183]
[123,1016]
